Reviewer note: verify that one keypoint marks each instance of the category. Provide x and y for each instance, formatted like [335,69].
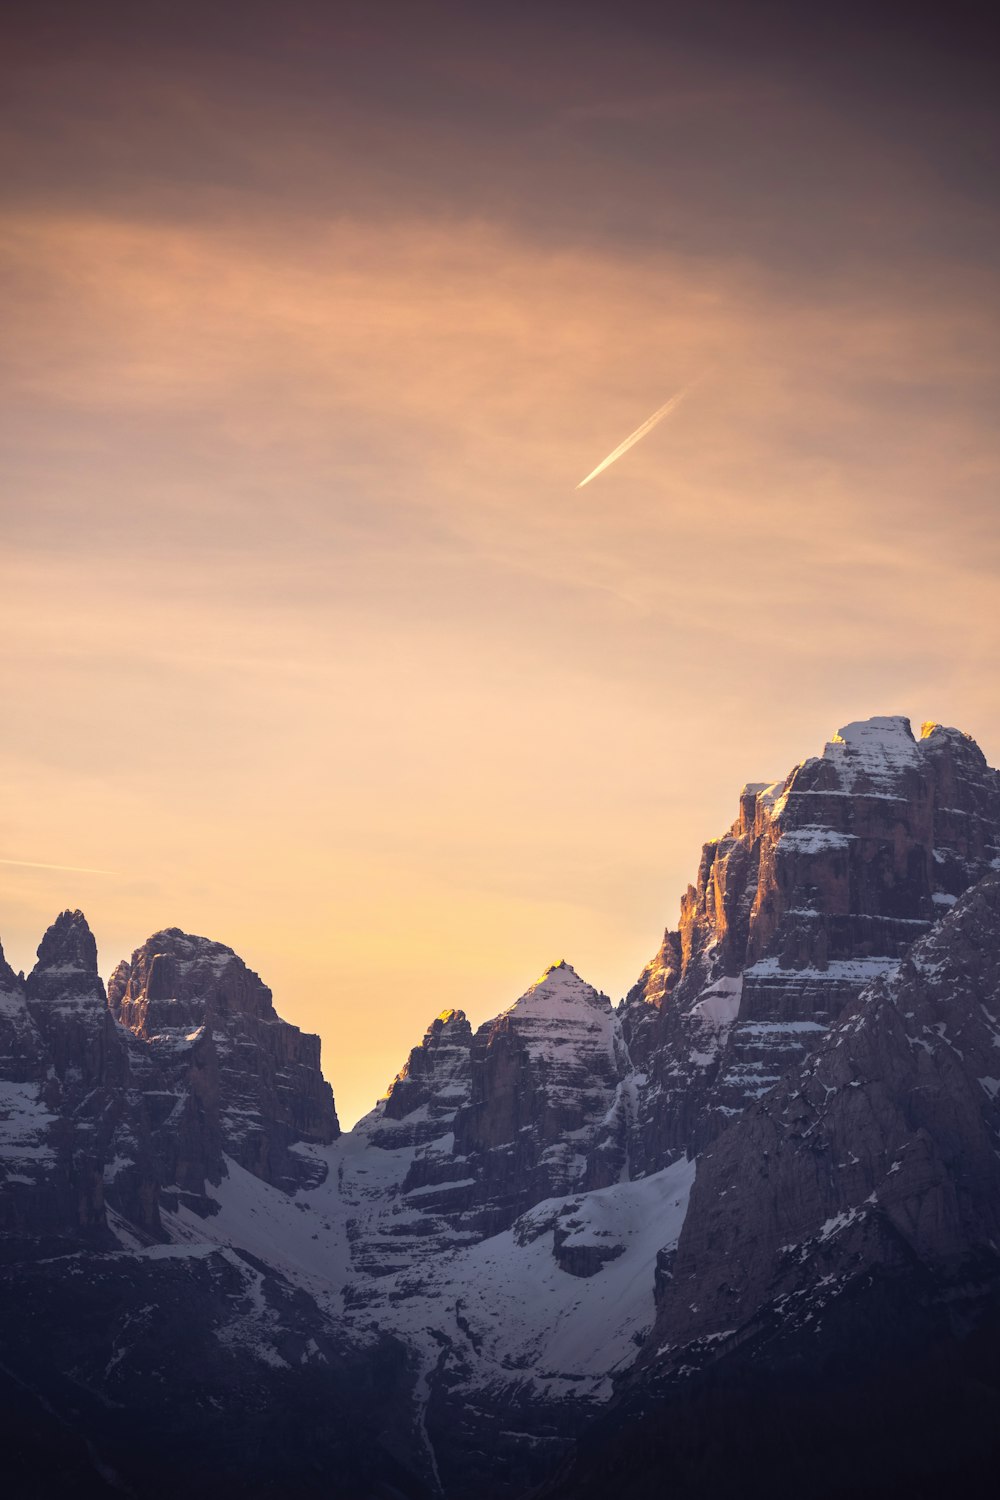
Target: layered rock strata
[407,1189]
[821,884]
[476,1129]
[548,1111]
[63,1073]
[133,1105]
[242,1080]
[880,1153]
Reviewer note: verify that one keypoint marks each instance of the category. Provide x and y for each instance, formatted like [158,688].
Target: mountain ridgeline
[581,1246]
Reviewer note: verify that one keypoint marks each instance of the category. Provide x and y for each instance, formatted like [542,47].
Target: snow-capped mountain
[546,1227]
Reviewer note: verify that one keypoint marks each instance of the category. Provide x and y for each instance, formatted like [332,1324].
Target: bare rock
[881,1153]
[214,1035]
[547,1112]
[61,1089]
[823,882]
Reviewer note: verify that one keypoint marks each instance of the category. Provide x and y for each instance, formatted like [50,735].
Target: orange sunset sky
[315,317]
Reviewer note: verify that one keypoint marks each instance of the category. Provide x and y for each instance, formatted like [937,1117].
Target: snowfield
[504,1301]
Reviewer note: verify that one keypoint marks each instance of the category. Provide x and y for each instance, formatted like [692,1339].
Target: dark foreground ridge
[741,1231]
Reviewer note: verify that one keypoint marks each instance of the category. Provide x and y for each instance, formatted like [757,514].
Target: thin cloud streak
[30,864]
[637,435]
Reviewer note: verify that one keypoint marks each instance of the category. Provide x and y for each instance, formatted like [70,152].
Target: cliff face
[547,1112]
[132,1102]
[834,1301]
[477,1129]
[403,1187]
[880,1152]
[241,1080]
[63,1072]
[821,884]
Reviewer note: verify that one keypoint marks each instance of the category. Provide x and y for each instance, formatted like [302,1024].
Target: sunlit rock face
[242,1080]
[839,1262]
[880,1152]
[434,1084]
[821,884]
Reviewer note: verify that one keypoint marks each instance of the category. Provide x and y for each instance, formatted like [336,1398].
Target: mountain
[821,885]
[614,1232]
[839,1263]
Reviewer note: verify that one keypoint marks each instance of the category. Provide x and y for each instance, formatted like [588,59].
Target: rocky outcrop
[22,1052]
[547,1114]
[477,1129]
[241,1080]
[821,884]
[63,1074]
[133,1104]
[421,1102]
[881,1153]
[406,1188]
[833,1305]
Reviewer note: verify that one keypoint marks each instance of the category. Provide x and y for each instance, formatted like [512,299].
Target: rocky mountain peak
[68,944]
[176,981]
[823,881]
[819,1032]
[9,981]
[901,1105]
[433,1081]
[930,728]
[557,988]
[21,1050]
[873,751]
[546,1115]
[183,994]
[63,1070]
[66,999]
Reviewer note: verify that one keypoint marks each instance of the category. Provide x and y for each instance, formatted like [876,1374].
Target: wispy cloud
[32,864]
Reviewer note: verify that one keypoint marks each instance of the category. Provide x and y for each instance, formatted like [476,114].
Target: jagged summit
[812,1047]
[175,978]
[68,944]
[178,991]
[822,882]
[450,1017]
[557,987]
[9,981]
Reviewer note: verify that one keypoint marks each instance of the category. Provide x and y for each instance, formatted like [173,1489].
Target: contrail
[640,432]
[30,864]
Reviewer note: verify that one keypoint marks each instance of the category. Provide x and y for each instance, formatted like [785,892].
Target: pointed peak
[8,979]
[558,985]
[947,734]
[68,943]
[451,1026]
[450,1017]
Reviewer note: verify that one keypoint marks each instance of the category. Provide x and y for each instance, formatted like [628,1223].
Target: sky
[316,316]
